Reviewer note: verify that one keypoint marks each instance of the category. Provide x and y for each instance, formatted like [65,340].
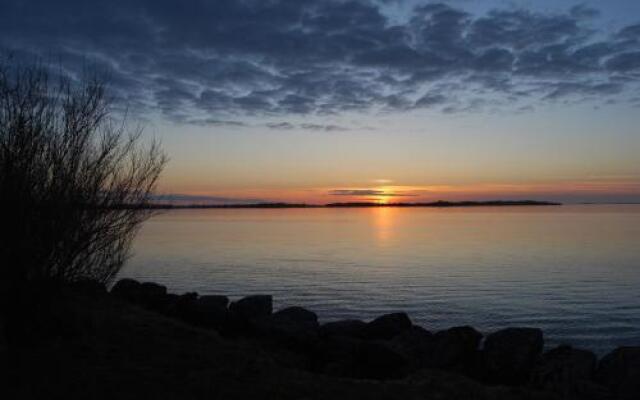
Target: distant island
[440,203]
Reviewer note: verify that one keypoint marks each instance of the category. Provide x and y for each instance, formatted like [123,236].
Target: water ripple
[572,271]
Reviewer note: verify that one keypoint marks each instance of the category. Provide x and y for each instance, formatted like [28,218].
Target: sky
[363,100]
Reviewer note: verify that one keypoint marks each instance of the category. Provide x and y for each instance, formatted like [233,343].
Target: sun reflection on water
[384,224]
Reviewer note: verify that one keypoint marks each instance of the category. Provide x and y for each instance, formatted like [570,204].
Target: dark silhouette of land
[440,203]
[139,341]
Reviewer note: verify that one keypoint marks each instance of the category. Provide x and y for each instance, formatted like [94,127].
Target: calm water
[572,270]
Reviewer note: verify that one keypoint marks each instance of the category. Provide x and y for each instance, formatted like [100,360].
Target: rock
[377,360]
[153,295]
[211,311]
[208,311]
[215,317]
[564,364]
[186,302]
[252,307]
[294,327]
[455,349]
[351,328]
[568,372]
[387,326]
[355,358]
[213,301]
[147,294]
[510,354]
[416,344]
[336,356]
[171,306]
[153,289]
[297,316]
[620,371]
[190,307]
[181,306]
[127,289]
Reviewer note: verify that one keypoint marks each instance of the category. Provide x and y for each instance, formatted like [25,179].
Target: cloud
[215,122]
[326,128]
[430,100]
[625,62]
[280,125]
[216,61]
[367,192]
[583,11]
[585,89]
[306,126]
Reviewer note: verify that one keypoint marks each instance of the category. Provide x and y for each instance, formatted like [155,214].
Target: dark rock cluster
[392,347]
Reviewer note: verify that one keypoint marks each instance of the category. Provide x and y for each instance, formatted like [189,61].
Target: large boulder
[186,306]
[253,307]
[127,289]
[387,326]
[336,356]
[569,373]
[351,328]
[416,344]
[620,371]
[296,316]
[510,354]
[455,349]
[377,360]
[181,306]
[211,311]
[294,327]
[355,358]
[153,295]
[209,300]
[147,294]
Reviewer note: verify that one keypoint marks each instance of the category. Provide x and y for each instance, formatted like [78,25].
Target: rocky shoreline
[391,347]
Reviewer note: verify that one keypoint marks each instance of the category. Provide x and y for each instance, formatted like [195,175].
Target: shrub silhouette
[74,179]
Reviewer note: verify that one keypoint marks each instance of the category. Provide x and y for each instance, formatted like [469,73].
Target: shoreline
[391,347]
[435,204]
[139,341]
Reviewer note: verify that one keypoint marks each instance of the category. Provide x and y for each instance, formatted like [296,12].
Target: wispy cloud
[367,192]
[285,126]
[307,126]
[215,122]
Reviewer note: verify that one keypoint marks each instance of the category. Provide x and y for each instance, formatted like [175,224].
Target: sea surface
[572,270]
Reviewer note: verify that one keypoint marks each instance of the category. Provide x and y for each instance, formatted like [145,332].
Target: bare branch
[73,180]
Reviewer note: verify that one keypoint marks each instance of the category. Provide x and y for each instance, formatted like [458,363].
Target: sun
[384,194]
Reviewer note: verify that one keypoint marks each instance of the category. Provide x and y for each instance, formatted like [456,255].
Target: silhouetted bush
[74,179]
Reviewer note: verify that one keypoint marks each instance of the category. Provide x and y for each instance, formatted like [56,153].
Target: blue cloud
[209,62]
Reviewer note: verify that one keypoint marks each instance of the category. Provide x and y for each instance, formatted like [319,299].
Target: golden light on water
[384,220]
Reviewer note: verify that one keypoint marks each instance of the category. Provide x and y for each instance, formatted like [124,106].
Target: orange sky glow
[391,193]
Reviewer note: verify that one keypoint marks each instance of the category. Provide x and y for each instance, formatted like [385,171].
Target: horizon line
[360,204]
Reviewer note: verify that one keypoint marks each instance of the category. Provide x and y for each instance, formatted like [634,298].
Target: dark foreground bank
[138,341]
